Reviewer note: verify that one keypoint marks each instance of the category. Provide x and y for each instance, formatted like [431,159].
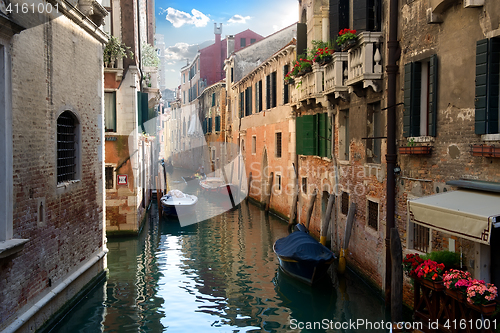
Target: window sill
[11,247]
[490,137]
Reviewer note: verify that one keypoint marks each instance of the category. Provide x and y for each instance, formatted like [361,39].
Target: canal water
[219,275]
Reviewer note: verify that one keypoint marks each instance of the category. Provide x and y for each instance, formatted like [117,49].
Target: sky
[187,24]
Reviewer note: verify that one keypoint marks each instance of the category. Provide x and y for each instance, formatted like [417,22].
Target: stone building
[131,102]
[448,132]
[52,241]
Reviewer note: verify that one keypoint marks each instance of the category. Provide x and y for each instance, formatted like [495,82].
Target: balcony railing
[364,61]
[336,74]
[311,85]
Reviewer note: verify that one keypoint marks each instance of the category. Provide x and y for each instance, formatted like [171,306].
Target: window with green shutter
[286,86]
[420,98]
[487,86]
[268,92]
[213,99]
[273,90]
[217,123]
[209,125]
[313,135]
[242,104]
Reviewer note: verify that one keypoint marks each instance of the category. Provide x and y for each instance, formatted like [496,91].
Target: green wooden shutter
[298,135]
[433,84]
[242,103]
[205,126]
[257,97]
[213,99]
[249,89]
[273,89]
[260,95]
[322,134]
[144,111]
[217,123]
[139,112]
[493,86]
[481,86]
[209,130]
[412,92]
[308,135]
[285,86]
[268,92]
[328,135]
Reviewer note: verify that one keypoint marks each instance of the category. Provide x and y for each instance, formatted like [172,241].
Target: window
[278,183]
[243,42]
[373,214]
[344,135]
[242,104]
[487,86]
[271,90]
[232,74]
[254,144]
[109,174]
[420,98]
[304,185]
[213,153]
[110,111]
[213,99]
[314,135]
[278,144]
[108,19]
[252,40]
[286,86]
[373,130]
[248,101]
[419,237]
[66,147]
[367,15]
[217,123]
[344,204]
[258,96]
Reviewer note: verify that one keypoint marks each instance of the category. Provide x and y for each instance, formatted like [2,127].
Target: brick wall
[56,67]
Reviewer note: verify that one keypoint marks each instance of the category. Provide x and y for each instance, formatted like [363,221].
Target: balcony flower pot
[415,150]
[485,150]
[433,285]
[304,71]
[325,60]
[348,44]
[485,309]
[455,294]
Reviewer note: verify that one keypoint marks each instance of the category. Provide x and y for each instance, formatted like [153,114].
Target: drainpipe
[391,157]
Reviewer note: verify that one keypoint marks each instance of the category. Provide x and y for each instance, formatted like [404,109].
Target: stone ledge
[11,247]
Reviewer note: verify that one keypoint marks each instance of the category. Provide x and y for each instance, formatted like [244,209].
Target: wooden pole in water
[347,236]
[295,199]
[326,219]
[397,277]
[269,192]
[249,185]
[158,196]
[228,187]
[310,207]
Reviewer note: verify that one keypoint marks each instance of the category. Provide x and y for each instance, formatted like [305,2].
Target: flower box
[455,294]
[485,309]
[433,285]
[485,150]
[415,150]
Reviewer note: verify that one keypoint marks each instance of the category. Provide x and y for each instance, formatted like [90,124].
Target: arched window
[67,126]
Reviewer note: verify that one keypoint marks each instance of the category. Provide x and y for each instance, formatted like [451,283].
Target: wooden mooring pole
[295,199]
[310,207]
[158,197]
[326,219]
[269,192]
[249,186]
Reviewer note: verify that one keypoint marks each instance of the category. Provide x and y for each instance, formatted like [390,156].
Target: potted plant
[429,274]
[115,50]
[321,52]
[411,262]
[481,296]
[347,38]
[456,283]
[305,66]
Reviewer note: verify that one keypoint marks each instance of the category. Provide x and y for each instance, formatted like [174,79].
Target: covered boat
[177,203]
[303,257]
[218,186]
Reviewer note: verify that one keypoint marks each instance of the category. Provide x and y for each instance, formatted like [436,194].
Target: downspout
[391,157]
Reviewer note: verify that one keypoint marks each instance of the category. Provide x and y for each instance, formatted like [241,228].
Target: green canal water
[219,275]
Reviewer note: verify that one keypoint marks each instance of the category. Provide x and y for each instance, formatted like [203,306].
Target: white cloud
[239,19]
[179,18]
[181,51]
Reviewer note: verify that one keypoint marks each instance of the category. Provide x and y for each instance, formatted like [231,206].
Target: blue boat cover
[301,246]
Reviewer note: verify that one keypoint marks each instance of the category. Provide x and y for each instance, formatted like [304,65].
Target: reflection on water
[220,275]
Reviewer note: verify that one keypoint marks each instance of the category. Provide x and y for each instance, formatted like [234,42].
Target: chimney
[230,45]
[217,32]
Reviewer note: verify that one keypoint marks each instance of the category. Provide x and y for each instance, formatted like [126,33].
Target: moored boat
[177,203]
[303,257]
[217,185]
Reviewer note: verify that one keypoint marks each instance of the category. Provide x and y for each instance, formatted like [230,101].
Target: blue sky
[186,24]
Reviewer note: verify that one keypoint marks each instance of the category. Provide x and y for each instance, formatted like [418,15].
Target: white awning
[466,214]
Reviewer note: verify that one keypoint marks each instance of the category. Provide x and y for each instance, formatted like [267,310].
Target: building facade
[131,105]
[52,232]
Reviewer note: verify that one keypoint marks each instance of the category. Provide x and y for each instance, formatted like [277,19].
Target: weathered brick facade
[56,68]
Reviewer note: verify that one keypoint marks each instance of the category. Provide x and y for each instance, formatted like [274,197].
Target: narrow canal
[219,275]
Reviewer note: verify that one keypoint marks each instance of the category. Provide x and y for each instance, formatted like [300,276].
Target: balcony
[336,74]
[309,87]
[364,61]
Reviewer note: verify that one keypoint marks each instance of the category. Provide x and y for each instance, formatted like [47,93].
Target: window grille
[278,144]
[66,147]
[345,203]
[420,238]
[109,177]
[373,214]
